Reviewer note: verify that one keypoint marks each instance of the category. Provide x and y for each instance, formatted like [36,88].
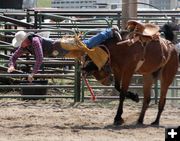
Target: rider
[40,47]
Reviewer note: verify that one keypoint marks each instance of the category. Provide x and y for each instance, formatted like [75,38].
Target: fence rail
[85,21]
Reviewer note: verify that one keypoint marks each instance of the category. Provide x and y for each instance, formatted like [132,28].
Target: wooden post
[125,12]
[129,11]
[133,9]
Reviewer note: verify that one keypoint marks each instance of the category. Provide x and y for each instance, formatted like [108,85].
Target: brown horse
[158,59]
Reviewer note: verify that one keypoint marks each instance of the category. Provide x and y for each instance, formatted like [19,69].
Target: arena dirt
[62,120]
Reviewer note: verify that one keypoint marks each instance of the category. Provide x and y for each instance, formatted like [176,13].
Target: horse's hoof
[136,98]
[139,123]
[155,123]
[133,96]
[118,122]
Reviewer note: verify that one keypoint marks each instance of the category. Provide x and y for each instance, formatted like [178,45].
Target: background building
[93,4]
[17,4]
[178,4]
[73,4]
[165,4]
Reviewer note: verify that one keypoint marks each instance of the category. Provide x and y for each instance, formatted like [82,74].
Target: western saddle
[143,32]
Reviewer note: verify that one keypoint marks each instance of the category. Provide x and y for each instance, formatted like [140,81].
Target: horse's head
[104,76]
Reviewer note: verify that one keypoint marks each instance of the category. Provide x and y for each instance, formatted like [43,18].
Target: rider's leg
[102,36]
[98,38]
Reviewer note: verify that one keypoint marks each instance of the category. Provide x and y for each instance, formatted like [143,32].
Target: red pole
[93,97]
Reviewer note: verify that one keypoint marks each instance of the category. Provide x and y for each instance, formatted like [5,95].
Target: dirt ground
[62,120]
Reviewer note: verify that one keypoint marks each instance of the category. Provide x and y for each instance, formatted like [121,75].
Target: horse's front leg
[118,120]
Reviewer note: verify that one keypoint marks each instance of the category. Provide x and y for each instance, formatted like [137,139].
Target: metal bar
[56,16]
[77,85]
[35,20]
[117,97]
[36,86]
[131,87]
[35,96]
[68,62]
[63,75]
[38,30]
[6,43]
[37,75]
[6,47]
[111,87]
[3,68]
[8,19]
[63,96]
[83,89]
[4,56]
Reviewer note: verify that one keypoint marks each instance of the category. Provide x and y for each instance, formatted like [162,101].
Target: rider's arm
[36,44]
[15,56]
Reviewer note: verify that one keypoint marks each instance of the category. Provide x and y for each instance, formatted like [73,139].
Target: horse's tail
[167,29]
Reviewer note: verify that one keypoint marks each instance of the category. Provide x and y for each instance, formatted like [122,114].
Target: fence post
[77,85]
[119,19]
[82,89]
[36,19]
[28,20]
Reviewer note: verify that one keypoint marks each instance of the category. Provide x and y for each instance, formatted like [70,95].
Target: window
[114,6]
[102,6]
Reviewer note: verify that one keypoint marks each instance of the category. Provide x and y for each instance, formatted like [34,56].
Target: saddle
[143,30]
[77,49]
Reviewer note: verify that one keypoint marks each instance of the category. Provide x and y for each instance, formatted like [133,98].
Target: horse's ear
[117,35]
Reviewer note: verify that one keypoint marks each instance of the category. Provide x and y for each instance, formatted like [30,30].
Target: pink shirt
[38,52]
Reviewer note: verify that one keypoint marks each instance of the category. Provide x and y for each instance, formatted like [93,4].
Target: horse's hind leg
[148,81]
[161,105]
[167,77]
[162,101]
